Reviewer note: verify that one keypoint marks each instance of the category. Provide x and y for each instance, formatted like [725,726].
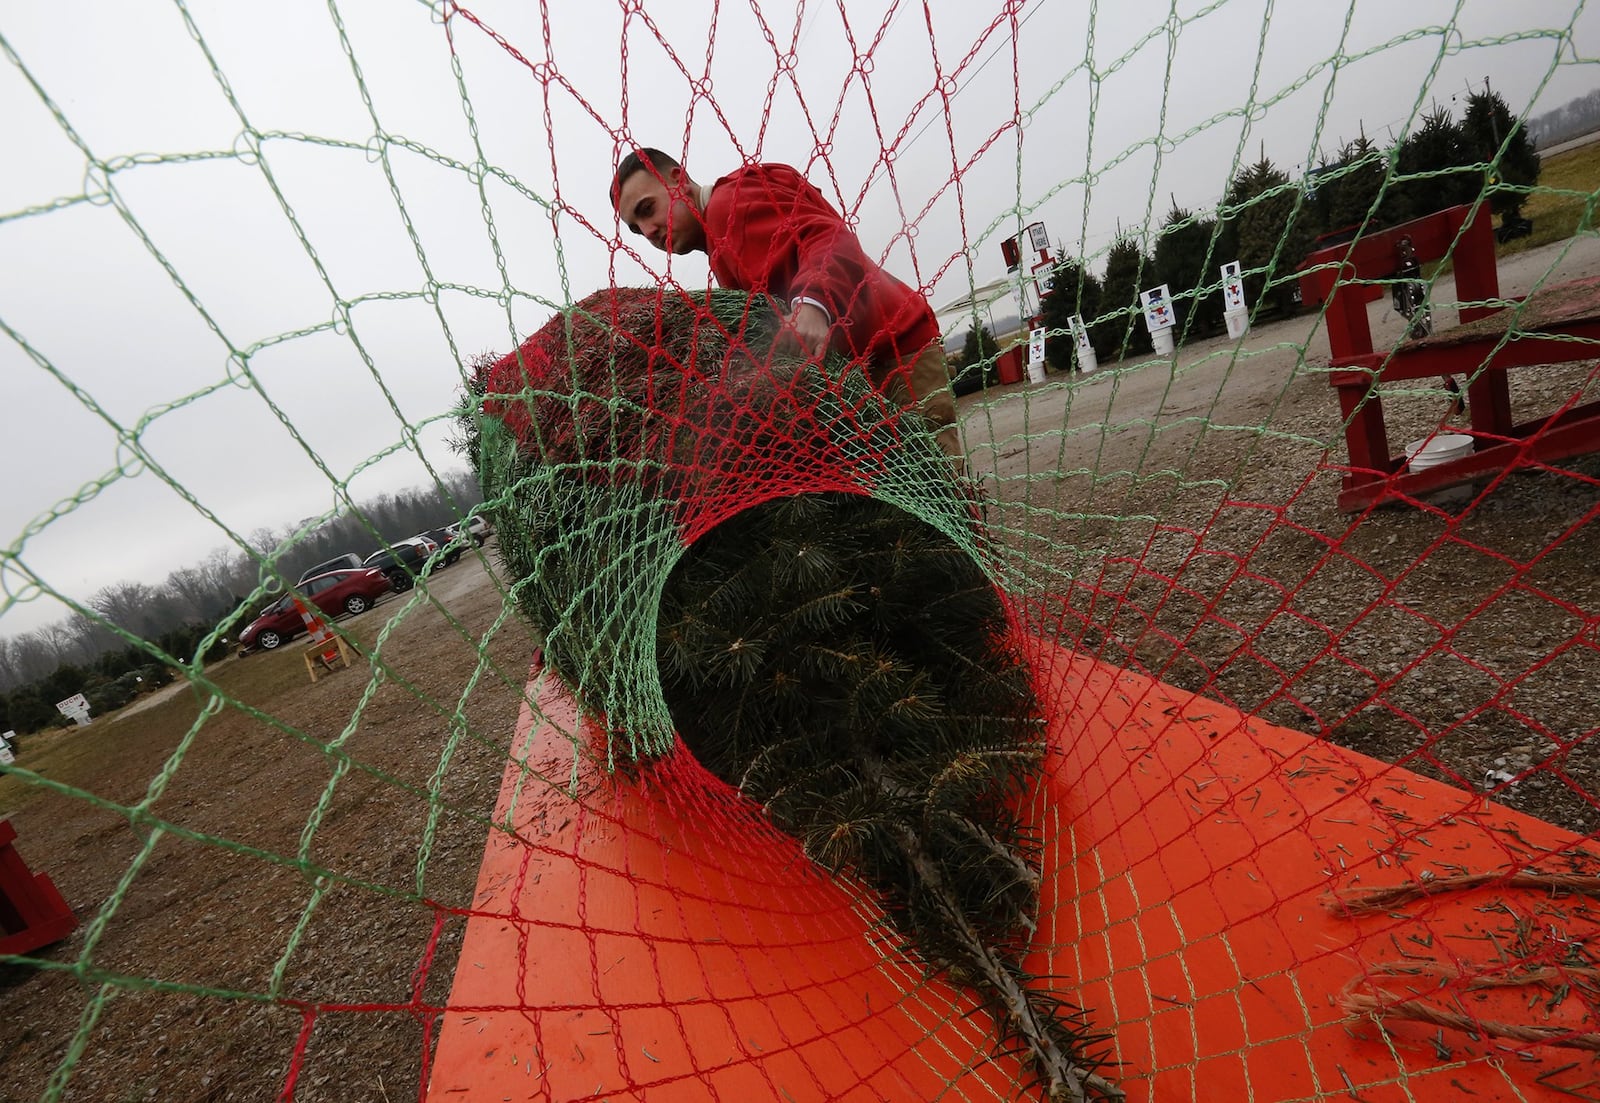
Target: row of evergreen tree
[90,652]
[1269,222]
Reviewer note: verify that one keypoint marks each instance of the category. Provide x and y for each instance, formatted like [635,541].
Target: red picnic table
[1554,324]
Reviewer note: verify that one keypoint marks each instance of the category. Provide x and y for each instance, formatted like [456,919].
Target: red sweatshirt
[768,230]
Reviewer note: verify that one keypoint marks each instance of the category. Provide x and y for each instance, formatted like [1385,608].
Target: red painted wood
[1553,325]
[33,912]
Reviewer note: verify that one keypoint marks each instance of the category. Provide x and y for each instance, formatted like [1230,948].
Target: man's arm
[789,243]
[806,329]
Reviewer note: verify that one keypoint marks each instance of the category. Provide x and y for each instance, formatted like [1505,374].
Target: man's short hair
[643,158]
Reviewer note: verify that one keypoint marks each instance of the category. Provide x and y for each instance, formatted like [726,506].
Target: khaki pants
[928,378]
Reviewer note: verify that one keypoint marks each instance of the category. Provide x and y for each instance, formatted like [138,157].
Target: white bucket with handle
[1437,449]
[1433,451]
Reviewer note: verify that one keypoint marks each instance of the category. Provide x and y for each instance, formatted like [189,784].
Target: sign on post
[75,708]
[1159,318]
[1234,311]
[1080,337]
[1232,287]
[1036,355]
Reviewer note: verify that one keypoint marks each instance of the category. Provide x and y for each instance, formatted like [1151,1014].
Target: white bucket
[1162,340]
[1438,449]
[1036,372]
[1423,454]
[1087,361]
[1238,323]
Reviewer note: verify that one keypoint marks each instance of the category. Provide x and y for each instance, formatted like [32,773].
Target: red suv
[336,592]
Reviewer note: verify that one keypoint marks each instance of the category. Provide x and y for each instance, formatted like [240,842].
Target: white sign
[1038,238]
[1036,346]
[75,708]
[1232,287]
[1080,334]
[1157,304]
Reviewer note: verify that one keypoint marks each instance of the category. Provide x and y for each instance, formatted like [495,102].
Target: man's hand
[805,329]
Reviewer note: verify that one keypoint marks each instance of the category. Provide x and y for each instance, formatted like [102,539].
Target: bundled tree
[1128,272]
[1273,230]
[684,508]
[1433,170]
[1496,137]
[1185,260]
[1073,290]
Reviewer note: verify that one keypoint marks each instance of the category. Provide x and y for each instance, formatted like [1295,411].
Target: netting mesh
[1219,718]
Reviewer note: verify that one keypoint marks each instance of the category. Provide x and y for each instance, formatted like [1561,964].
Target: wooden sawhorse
[317,662]
[1554,324]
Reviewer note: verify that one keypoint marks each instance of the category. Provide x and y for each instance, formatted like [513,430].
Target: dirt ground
[303,907]
[310,877]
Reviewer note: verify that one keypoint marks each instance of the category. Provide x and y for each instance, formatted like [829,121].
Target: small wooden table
[1555,324]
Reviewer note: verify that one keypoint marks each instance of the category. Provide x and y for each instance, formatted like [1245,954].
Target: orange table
[648,937]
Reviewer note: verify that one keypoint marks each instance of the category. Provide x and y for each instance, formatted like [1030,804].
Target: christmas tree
[767,559]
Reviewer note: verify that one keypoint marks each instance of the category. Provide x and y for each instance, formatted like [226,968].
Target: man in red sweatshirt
[767,230]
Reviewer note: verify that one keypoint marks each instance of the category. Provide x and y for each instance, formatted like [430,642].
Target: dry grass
[69,757]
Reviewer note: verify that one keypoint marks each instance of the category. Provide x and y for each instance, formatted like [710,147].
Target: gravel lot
[1188,517]
[1196,529]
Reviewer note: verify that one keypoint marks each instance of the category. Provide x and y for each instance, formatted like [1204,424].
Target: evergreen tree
[1072,291]
[980,346]
[1273,224]
[1432,165]
[1488,127]
[1128,272]
[1185,261]
[1354,182]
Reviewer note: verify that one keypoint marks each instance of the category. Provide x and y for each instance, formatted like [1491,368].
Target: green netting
[750,660]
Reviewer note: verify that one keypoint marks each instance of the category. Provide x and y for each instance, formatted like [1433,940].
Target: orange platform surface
[644,935]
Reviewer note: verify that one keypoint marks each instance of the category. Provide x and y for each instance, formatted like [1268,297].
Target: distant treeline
[91,653]
[1573,119]
[1269,221]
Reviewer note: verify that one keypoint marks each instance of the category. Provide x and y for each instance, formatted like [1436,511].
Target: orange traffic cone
[319,632]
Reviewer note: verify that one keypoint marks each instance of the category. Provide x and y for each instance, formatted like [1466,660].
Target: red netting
[1196,701]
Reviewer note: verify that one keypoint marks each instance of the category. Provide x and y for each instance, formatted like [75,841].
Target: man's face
[660,212]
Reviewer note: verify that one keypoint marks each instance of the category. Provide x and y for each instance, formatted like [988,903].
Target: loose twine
[1360,901]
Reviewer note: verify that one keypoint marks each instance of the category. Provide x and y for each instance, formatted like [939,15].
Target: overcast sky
[316,289]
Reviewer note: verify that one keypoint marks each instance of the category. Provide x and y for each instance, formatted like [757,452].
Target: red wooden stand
[32,911]
[1554,324]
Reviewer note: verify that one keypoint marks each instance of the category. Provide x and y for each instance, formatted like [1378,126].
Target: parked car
[475,527]
[453,548]
[349,561]
[334,593]
[404,562]
[974,377]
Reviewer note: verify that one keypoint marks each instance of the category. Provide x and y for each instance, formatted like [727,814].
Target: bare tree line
[217,586]
[1572,119]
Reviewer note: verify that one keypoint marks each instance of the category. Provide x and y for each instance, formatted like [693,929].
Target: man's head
[655,198]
